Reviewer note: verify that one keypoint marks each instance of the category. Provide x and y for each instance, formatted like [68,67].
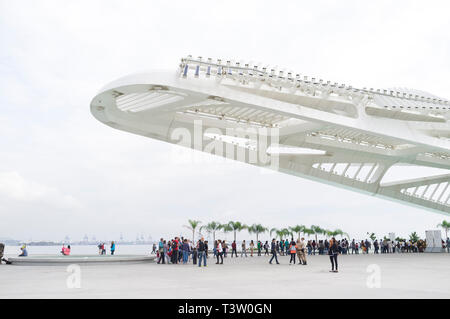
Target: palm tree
[372,236]
[236,226]
[279,232]
[331,233]
[297,229]
[193,224]
[273,230]
[308,231]
[446,226]
[317,230]
[413,237]
[328,233]
[257,229]
[340,233]
[287,232]
[226,228]
[211,227]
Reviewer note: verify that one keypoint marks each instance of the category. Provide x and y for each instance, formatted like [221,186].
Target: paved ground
[401,276]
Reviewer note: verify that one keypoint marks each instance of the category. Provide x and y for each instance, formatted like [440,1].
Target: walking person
[219,252]
[224,248]
[201,247]
[244,249]
[309,246]
[252,246]
[333,252]
[273,251]
[259,246]
[266,248]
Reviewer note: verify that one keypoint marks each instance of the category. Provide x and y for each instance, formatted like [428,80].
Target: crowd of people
[383,246]
[184,251]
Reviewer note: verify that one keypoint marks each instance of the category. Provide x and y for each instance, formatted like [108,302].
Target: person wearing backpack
[292,251]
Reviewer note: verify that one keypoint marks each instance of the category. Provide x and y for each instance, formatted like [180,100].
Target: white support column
[346,169]
[370,172]
[359,170]
[435,190]
[332,168]
[426,189]
[443,192]
[446,201]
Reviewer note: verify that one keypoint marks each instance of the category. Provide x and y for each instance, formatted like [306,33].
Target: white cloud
[14,186]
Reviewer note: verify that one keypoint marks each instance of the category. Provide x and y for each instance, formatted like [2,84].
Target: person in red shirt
[233,249]
[65,250]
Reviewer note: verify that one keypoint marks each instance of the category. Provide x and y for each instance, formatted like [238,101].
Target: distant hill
[9,241]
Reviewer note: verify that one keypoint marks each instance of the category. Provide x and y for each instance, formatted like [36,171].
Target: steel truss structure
[327,132]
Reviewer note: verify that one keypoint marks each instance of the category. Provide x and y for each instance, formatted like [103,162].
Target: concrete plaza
[390,276]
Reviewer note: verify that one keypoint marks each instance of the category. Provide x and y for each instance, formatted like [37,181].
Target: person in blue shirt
[185,250]
[113,247]
[161,252]
[24,251]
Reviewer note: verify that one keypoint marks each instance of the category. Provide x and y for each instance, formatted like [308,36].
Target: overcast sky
[64,173]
